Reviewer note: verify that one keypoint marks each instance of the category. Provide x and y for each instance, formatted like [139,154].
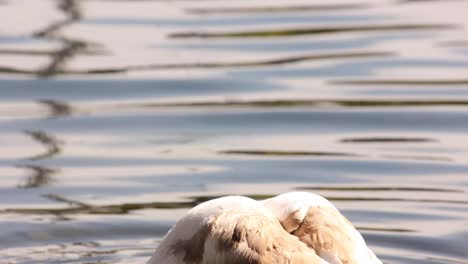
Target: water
[116,117]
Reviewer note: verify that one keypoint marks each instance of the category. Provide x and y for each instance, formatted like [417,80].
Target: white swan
[295,227]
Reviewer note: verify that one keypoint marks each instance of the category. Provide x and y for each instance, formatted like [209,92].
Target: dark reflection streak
[380,189]
[393,230]
[286,153]
[387,140]
[59,198]
[26,52]
[287,60]
[84,250]
[110,209]
[414,157]
[92,244]
[45,53]
[53,145]
[306,103]
[208,65]
[60,57]
[93,253]
[40,176]
[444,260]
[280,61]
[71,9]
[12,70]
[70,46]
[57,108]
[128,207]
[99,71]
[310,31]
[401,82]
[274,9]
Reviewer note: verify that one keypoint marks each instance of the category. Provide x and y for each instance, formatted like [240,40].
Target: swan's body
[294,228]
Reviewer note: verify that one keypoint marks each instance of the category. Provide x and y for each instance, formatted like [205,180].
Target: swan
[293,228]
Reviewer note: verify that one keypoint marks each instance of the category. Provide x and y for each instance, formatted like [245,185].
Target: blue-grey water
[116,117]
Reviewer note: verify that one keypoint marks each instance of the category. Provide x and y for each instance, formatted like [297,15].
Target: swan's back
[317,223]
[231,230]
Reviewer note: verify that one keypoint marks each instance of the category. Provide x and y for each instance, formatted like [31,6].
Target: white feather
[236,209]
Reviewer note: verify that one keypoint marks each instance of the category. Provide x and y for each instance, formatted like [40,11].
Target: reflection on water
[85,208]
[308,31]
[52,144]
[116,117]
[56,109]
[40,176]
[402,82]
[283,153]
[387,140]
[272,9]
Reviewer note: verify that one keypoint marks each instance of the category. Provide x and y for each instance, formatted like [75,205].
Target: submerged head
[291,208]
[295,227]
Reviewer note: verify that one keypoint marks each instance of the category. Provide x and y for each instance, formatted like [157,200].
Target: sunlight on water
[116,117]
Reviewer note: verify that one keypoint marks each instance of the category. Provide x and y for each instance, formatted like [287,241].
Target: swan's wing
[255,239]
[317,223]
[330,234]
[232,230]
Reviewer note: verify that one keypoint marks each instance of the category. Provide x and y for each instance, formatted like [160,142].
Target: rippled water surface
[116,117]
